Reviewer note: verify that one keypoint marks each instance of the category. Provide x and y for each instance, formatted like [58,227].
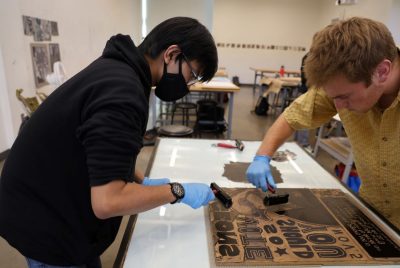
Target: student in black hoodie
[70,175]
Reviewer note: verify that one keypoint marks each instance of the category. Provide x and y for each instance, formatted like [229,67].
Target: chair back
[210,117]
[30,104]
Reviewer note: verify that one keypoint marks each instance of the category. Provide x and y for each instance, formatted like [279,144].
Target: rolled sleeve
[310,110]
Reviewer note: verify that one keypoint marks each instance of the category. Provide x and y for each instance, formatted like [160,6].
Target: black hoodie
[87,132]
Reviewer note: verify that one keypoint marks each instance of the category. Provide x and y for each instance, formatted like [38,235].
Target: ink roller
[221,195]
[275,199]
[239,145]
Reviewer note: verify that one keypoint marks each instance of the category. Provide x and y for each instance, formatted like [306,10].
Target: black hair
[192,37]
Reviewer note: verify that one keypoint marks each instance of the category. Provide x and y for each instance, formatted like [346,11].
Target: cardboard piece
[236,171]
[282,156]
[316,227]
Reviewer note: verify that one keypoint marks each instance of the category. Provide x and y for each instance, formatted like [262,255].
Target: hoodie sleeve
[113,123]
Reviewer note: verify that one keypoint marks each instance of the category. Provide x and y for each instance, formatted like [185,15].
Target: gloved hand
[259,172]
[197,194]
[153,182]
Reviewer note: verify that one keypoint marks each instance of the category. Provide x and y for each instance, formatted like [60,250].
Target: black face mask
[172,87]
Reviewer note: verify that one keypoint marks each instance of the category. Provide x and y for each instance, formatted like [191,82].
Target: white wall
[284,22]
[84,27]
[160,10]
[6,126]
[376,10]
[269,22]
[394,21]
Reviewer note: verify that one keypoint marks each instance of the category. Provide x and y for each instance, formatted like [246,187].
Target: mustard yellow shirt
[375,141]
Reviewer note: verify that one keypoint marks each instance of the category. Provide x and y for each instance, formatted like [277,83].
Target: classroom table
[221,72]
[216,85]
[259,72]
[177,235]
[284,87]
[276,84]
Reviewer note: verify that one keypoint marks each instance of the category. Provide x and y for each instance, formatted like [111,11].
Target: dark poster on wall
[41,63]
[28,25]
[316,227]
[54,53]
[54,28]
[41,30]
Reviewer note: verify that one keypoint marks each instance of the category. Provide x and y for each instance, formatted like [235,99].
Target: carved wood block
[316,227]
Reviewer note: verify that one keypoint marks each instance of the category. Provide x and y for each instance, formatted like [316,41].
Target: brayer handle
[272,190]
[221,195]
[277,199]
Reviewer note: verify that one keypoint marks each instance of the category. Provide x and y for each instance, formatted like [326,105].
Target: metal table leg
[230,112]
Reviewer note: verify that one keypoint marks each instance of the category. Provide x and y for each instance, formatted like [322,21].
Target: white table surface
[177,235]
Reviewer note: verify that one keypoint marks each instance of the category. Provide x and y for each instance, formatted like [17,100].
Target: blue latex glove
[153,182]
[259,172]
[197,194]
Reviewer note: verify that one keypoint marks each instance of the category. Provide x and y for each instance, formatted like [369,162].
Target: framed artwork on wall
[41,63]
[54,28]
[28,25]
[54,53]
[41,30]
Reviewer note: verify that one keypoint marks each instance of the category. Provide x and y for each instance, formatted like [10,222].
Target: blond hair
[353,47]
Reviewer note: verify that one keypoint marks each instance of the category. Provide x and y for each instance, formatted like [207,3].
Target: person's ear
[171,53]
[382,71]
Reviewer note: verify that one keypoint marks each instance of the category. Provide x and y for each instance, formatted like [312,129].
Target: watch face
[178,191]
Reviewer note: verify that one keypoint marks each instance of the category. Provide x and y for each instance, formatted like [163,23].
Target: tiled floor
[246,126]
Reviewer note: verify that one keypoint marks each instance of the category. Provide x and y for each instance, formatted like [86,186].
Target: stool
[185,107]
[175,131]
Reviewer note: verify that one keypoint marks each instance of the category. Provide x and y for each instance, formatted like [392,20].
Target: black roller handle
[276,199]
[221,195]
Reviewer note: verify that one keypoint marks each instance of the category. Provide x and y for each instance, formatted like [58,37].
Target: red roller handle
[272,190]
[225,145]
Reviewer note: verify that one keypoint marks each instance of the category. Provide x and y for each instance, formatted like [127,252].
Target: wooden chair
[42,96]
[30,103]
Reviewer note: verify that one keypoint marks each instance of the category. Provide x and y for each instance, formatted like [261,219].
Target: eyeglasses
[194,78]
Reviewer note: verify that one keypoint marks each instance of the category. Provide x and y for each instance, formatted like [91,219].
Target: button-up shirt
[375,142]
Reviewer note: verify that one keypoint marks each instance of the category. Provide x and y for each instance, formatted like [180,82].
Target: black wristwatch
[178,191]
